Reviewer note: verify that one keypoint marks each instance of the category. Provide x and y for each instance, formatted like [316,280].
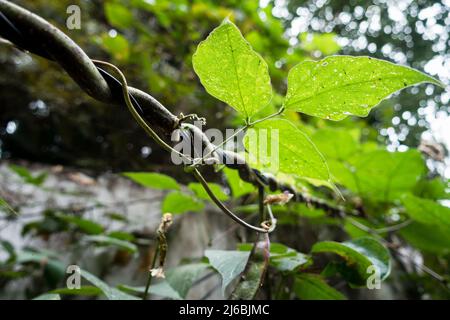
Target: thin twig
[227,211]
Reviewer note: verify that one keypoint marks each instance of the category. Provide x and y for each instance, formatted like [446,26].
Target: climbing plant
[327,174]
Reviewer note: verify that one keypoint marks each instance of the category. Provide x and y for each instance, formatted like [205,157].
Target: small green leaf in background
[118,15]
[435,189]
[313,287]
[26,175]
[230,264]
[231,71]
[109,292]
[122,235]
[296,152]
[323,42]
[153,180]
[116,46]
[238,186]
[339,86]
[181,278]
[85,225]
[48,296]
[6,207]
[110,241]
[427,211]
[200,192]
[359,254]
[380,174]
[427,237]
[179,202]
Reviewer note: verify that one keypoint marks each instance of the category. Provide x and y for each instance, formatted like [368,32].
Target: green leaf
[9,248]
[335,143]
[110,241]
[26,175]
[117,46]
[230,264]
[153,180]
[181,278]
[359,254]
[85,225]
[427,237]
[118,15]
[82,291]
[282,257]
[231,71]
[380,175]
[286,149]
[313,287]
[162,289]
[427,211]
[338,86]
[54,269]
[200,192]
[109,292]
[179,202]
[435,189]
[48,296]
[122,235]
[290,260]
[238,186]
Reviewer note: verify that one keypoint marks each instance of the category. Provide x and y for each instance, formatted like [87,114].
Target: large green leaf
[313,287]
[181,278]
[359,254]
[380,175]
[427,211]
[231,71]
[153,180]
[230,264]
[338,86]
[110,293]
[277,145]
[179,202]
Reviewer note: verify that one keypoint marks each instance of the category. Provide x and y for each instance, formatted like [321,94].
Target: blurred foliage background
[46,118]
